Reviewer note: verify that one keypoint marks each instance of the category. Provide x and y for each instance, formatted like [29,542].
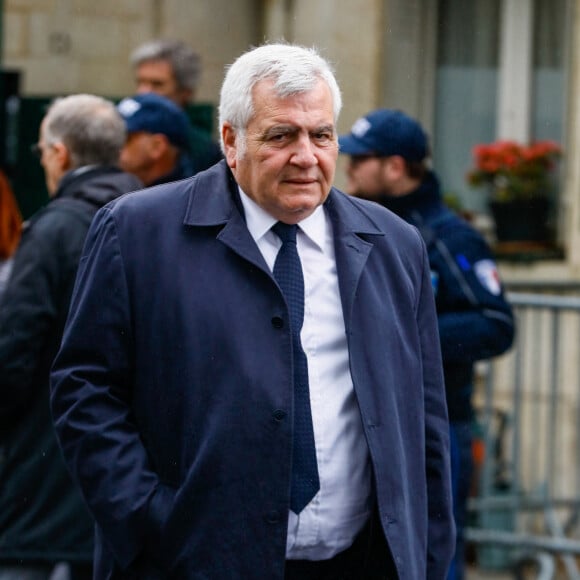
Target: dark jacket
[42,516]
[189,363]
[475,320]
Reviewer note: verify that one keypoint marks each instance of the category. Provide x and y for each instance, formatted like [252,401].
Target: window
[500,74]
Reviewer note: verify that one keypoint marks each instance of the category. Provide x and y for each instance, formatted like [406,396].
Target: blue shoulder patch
[463,262]
[434,281]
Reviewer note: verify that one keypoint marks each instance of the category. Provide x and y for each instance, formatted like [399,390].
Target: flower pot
[521,220]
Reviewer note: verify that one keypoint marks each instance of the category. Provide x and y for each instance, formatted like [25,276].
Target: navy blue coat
[172,391]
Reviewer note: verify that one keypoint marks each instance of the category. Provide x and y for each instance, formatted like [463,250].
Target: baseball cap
[152,113]
[386,132]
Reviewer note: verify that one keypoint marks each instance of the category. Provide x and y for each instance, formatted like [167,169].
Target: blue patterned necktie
[288,273]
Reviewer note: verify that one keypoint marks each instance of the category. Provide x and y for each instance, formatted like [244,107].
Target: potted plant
[519,181]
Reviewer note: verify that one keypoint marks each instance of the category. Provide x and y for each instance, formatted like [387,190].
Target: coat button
[273,517]
[277,322]
[279,414]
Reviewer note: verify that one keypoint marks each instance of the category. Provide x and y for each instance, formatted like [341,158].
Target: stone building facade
[470,70]
[386,53]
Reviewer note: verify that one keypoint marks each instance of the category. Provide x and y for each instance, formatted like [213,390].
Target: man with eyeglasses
[44,524]
[388,164]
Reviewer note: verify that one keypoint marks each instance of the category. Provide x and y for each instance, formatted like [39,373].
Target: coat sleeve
[92,389]
[441,527]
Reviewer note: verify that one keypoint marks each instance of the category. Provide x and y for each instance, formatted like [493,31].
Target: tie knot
[286,232]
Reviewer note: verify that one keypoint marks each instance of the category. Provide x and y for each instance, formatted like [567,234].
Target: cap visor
[352,146]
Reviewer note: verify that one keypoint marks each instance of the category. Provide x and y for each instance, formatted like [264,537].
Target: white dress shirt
[330,522]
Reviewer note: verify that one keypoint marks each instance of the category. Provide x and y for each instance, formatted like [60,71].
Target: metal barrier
[527,503]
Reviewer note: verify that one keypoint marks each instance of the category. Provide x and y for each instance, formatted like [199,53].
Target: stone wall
[68,46]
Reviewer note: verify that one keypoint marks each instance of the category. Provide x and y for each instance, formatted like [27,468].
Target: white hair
[293,70]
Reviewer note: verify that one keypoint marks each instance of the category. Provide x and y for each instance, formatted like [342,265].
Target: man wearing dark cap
[157,144]
[388,164]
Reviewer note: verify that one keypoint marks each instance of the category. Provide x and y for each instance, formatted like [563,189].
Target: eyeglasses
[36,148]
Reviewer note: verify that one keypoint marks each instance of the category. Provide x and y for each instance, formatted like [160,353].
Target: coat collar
[214,201]
[214,198]
[355,234]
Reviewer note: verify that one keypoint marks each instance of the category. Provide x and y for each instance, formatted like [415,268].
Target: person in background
[44,523]
[388,164]
[172,69]
[10,229]
[156,150]
[234,394]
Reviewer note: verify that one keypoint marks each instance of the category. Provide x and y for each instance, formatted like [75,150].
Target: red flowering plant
[513,171]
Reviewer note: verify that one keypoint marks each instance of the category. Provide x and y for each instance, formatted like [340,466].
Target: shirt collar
[260,222]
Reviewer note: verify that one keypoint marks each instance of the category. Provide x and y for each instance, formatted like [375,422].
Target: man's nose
[143,87]
[304,152]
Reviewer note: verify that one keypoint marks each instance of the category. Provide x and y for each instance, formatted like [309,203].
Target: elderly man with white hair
[250,383]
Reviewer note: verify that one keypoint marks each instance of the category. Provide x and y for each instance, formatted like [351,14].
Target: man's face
[290,154]
[156,76]
[367,177]
[137,155]
[51,161]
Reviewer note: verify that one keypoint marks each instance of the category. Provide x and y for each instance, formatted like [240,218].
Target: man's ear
[229,137]
[158,145]
[62,156]
[395,167]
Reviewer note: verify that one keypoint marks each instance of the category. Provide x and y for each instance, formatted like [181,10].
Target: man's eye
[323,136]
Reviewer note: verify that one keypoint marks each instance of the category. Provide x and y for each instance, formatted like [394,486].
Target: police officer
[388,152]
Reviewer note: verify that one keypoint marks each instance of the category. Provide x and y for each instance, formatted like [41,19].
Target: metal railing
[527,505]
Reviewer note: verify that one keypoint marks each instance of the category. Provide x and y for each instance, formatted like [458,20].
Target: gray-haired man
[43,519]
[172,69]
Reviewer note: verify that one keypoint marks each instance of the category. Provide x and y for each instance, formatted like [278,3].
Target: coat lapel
[214,201]
[354,236]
